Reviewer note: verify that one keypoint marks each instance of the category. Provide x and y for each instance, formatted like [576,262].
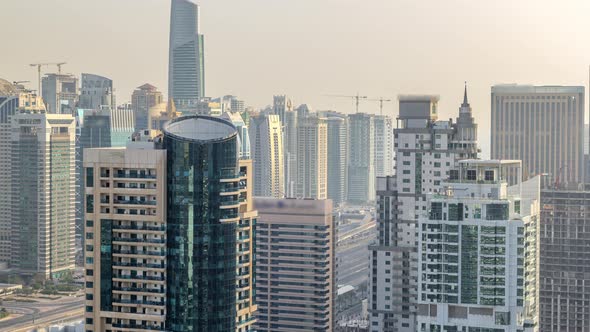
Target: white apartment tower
[426,149]
[266,141]
[383,145]
[477,251]
[43,163]
[312,158]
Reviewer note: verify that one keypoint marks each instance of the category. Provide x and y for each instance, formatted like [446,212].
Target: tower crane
[381,100]
[39,65]
[356,98]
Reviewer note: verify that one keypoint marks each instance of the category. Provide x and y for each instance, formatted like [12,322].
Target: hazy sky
[309,48]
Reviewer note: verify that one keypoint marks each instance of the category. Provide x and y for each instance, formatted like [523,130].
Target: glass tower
[205,259]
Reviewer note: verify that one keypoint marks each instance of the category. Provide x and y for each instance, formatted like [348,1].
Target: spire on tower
[465,102]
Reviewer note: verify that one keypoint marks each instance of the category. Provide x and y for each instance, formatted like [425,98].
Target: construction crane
[381,100]
[357,98]
[39,65]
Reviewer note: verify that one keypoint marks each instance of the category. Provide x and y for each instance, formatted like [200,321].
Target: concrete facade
[295,285]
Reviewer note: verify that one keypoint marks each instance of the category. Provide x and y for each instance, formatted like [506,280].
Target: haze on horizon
[310,48]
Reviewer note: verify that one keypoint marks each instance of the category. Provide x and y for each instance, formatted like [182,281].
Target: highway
[42,312]
[352,251]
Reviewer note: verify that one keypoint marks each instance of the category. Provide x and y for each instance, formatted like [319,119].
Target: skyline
[455,33]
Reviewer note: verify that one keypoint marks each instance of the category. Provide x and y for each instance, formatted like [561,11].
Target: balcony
[139,289]
[138,327]
[145,253]
[134,202]
[145,265]
[140,228]
[136,240]
[141,302]
[129,277]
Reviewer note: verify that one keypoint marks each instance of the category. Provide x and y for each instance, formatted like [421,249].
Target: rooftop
[200,128]
[419,98]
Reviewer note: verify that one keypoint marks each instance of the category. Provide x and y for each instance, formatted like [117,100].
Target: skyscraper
[541,125]
[210,219]
[383,151]
[280,105]
[43,193]
[125,253]
[312,158]
[295,272]
[144,98]
[337,158]
[60,93]
[96,91]
[176,253]
[477,251]
[12,101]
[186,69]
[267,154]
[426,150]
[564,260]
[361,158]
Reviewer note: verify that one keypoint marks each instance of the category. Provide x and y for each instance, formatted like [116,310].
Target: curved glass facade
[201,224]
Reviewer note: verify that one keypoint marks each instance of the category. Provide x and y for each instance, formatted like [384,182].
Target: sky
[309,49]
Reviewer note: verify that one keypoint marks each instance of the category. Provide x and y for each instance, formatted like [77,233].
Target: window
[89,272]
[497,212]
[89,223]
[89,236]
[89,284]
[89,260]
[471,175]
[89,203]
[89,321]
[517,207]
[456,212]
[89,297]
[489,175]
[454,174]
[436,211]
[90,177]
[89,247]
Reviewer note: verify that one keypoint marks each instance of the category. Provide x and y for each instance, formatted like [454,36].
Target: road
[352,251]
[42,312]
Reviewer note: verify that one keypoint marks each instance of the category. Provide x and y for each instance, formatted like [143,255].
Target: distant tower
[267,154]
[186,68]
[541,125]
[312,158]
[144,98]
[96,91]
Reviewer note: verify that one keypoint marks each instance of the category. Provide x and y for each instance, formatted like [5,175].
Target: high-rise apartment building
[426,149]
[144,98]
[125,238]
[337,158]
[186,68]
[266,137]
[12,101]
[564,260]
[96,92]
[541,125]
[361,158]
[43,193]
[312,158]
[60,93]
[210,228]
[172,225]
[383,151]
[295,272]
[477,251]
